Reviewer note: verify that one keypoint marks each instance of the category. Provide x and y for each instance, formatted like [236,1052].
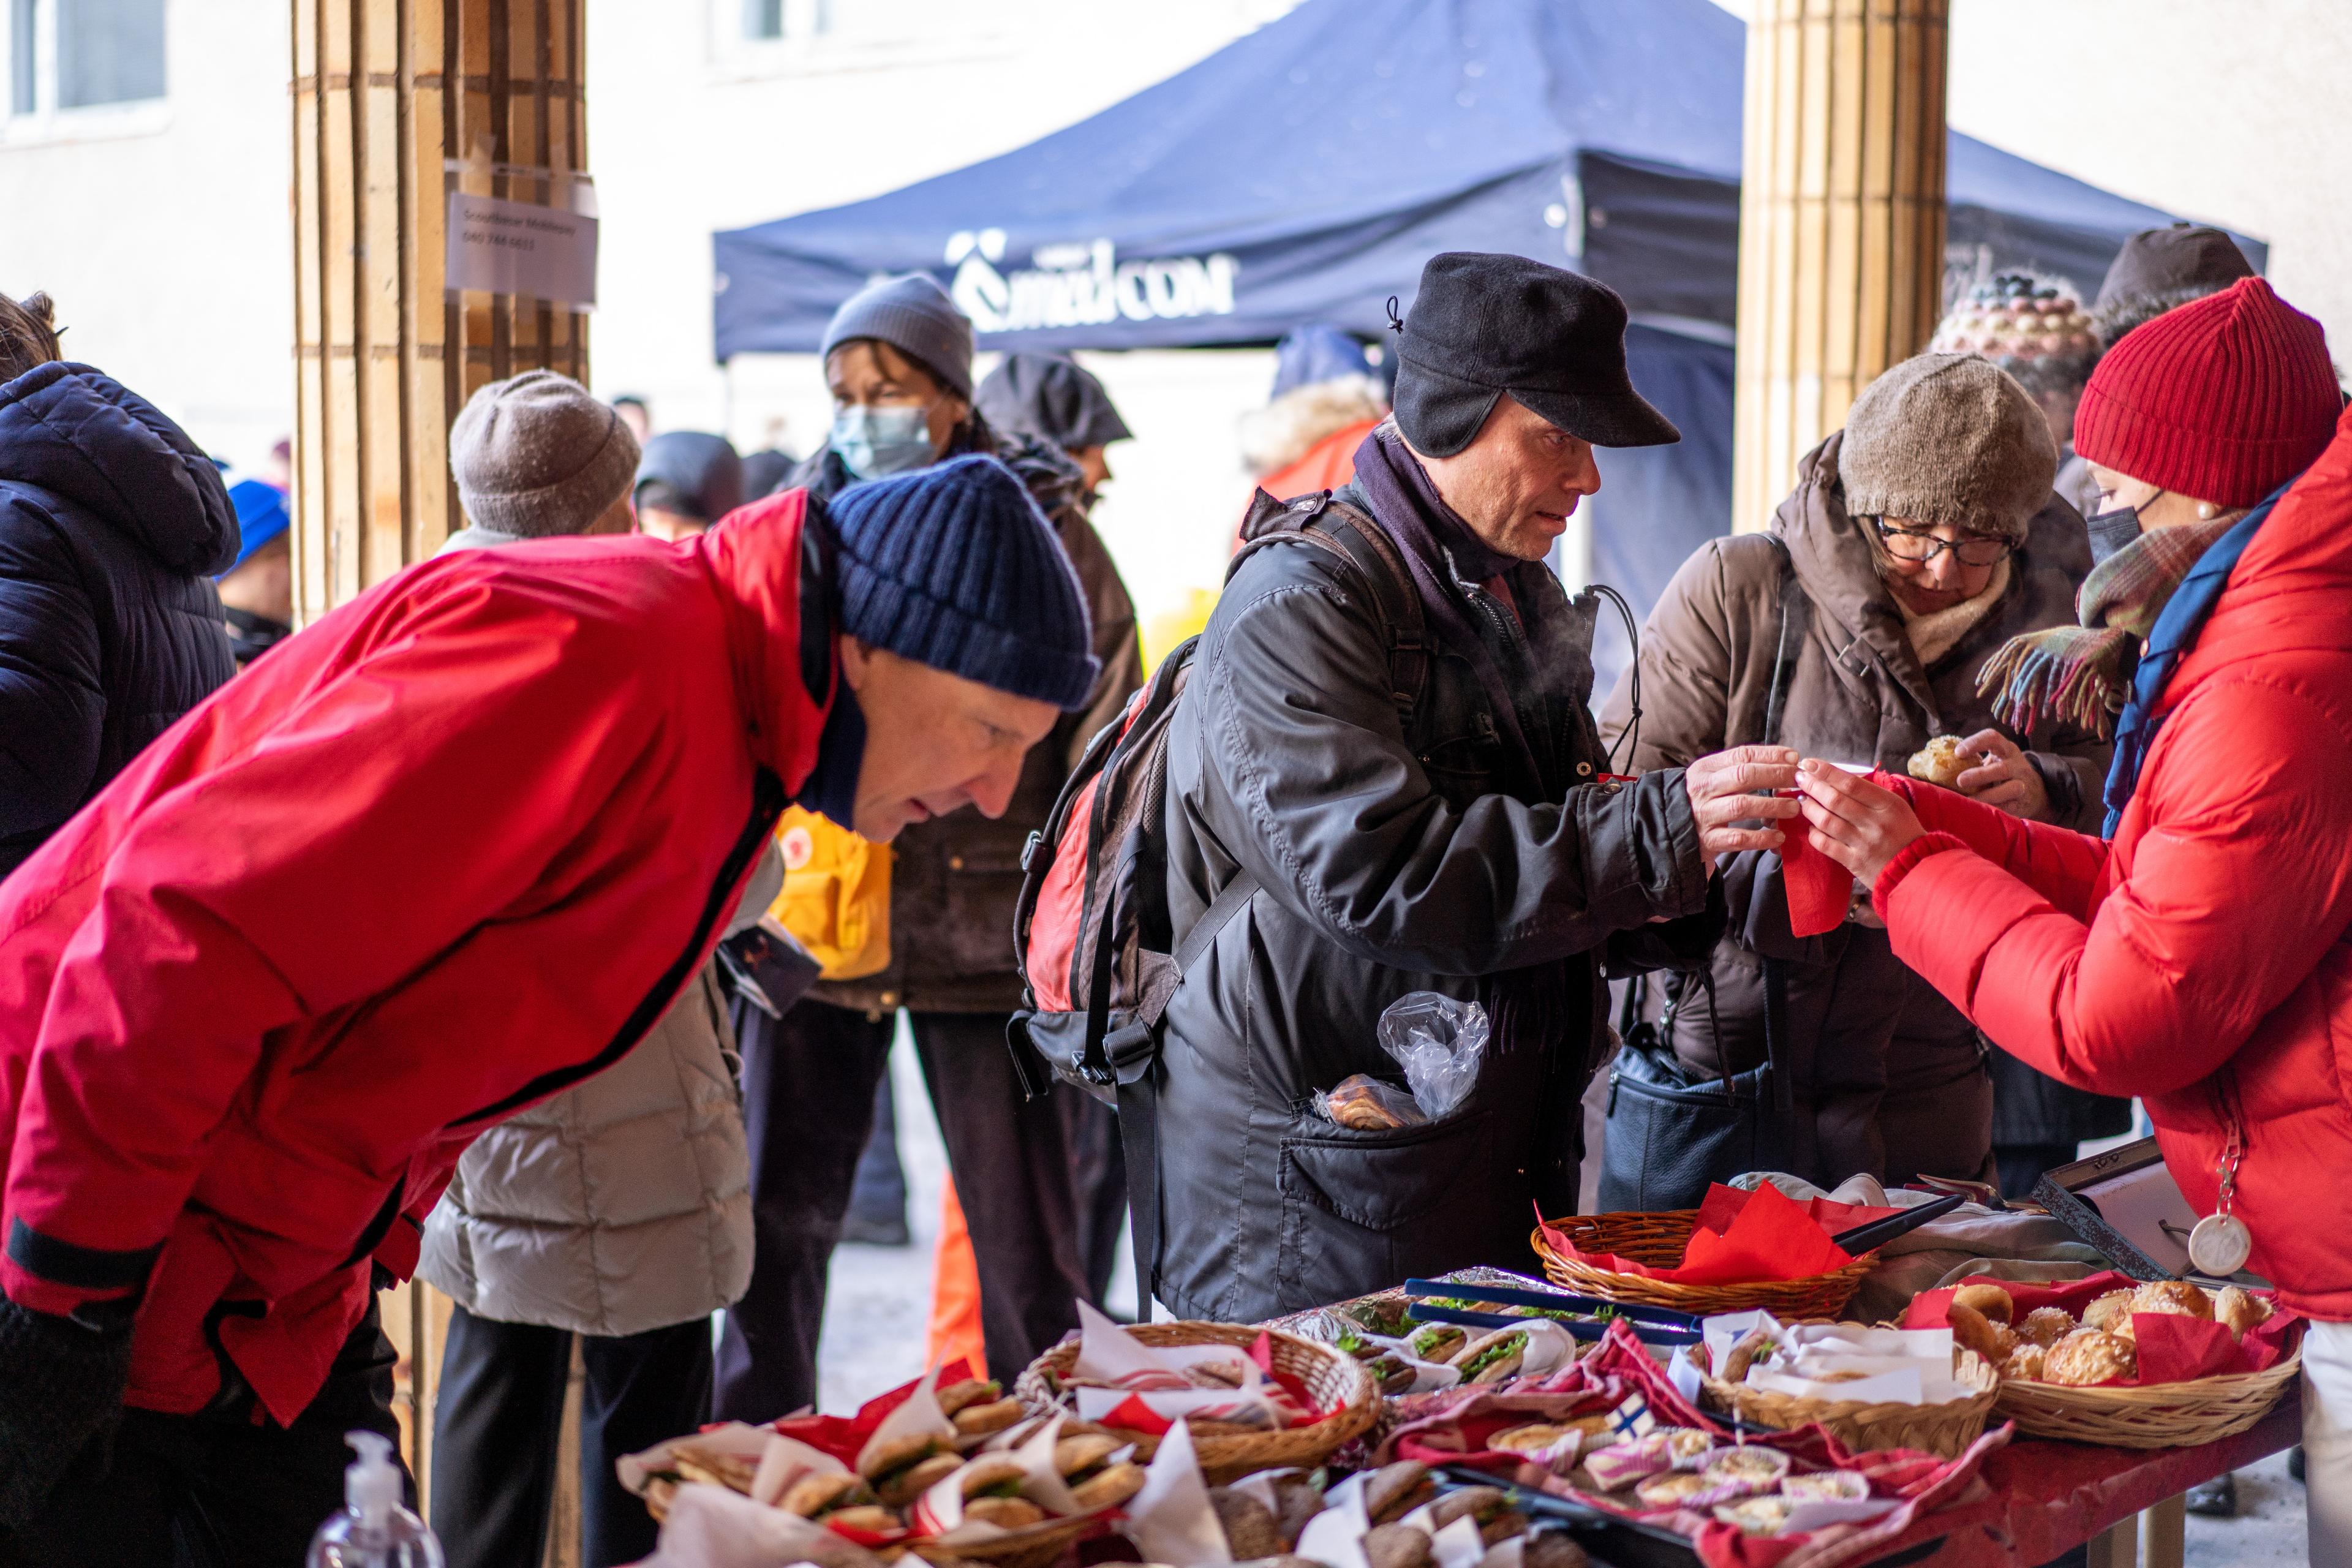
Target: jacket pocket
[982,884]
[1362,1210]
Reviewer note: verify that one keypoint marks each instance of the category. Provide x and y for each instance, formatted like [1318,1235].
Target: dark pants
[217,1489]
[2022,1165]
[878,1199]
[1098,1175]
[500,1410]
[808,1099]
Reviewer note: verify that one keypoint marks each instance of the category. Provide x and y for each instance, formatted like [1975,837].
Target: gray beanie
[1947,439]
[914,315]
[536,455]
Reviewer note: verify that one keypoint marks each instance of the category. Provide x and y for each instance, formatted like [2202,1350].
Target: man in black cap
[1057,399]
[1386,762]
[686,481]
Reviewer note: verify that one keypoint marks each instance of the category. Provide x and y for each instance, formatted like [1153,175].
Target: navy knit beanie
[955,567]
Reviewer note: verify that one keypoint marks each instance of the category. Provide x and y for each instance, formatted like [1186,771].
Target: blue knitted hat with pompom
[955,567]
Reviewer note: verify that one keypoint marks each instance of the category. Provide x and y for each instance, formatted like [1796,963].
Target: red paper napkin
[844,1436]
[1769,1237]
[2173,1348]
[1819,889]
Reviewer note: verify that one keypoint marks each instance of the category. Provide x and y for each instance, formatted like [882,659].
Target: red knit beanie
[2222,400]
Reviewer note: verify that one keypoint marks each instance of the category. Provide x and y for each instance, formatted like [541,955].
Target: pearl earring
[2205,511]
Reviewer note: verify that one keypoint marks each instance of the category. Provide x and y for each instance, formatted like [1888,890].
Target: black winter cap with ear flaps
[1483,325]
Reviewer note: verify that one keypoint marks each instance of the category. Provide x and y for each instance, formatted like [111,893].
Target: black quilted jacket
[111,526]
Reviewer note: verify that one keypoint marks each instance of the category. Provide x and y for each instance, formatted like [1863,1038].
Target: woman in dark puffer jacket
[111,526]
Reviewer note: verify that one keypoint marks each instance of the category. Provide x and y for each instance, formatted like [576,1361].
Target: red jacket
[2212,932]
[452,848]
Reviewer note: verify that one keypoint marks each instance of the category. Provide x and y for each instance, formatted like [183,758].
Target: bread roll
[2173,1296]
[1991,1300]
[1941,761]
[2111,1312]
[2239,1311]
[2088,1357]
[2045,1326]
[2025,1363]
[1972,1330]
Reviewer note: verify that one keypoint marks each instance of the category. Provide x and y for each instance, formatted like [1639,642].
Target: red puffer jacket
[454,847]
[2211,934]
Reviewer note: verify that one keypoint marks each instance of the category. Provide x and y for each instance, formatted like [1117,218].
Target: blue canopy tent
[1307,171]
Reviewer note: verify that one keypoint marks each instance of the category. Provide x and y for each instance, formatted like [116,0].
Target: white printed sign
[518,248]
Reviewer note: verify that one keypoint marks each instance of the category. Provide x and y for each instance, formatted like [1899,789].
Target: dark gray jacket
[1387,863]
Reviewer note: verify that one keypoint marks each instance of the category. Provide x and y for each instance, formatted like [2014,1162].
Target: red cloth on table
[2173,1348]
[1742,1239]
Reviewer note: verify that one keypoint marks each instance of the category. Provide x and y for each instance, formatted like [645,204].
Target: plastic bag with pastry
[1367,1105]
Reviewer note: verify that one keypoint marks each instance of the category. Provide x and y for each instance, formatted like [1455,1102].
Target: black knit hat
[1483,325]
[691,473]
[955,567]
[1053,397]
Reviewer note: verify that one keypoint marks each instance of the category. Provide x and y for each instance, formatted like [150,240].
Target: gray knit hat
[536,455]
[1947,439]
[914,315]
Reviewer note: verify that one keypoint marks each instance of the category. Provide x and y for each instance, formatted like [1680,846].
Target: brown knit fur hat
[1947,439]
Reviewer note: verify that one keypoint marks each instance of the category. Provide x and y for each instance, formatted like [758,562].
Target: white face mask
[892,439]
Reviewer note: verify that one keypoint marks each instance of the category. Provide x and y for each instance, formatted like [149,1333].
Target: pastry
[1354,1104]
[1550,1549]
[1108,1487]
[2173,1296]
[968,1391]
[1758,1515]
[1751,1346]
[1494,1357]
[988,1419]
[2239,1311]
[1397,1489]
[814,1497]
[870,1518]
[1972,1330]
[1249,1525]
[1396,1546]
[1675,1489]
[1753,1468]
[1836,1485]
[1392,1372]
[1941,761]
[1685,1444]
[2045,1326]
[1005,1513]
[2111,1311]
[1622,1464]
[2025,1363]
[1540,1441]
[1436,1342]
[1994,1302]
[2089,1357]
[697,1463]
[1489,1508]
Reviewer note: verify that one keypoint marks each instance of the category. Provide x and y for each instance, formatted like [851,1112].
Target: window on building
[786,19]
[80,54]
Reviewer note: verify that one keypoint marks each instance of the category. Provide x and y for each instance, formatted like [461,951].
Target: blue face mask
[877,441]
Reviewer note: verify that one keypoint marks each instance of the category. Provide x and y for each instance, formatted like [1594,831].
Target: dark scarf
[1443,554]
[1530,1006]
[251,636]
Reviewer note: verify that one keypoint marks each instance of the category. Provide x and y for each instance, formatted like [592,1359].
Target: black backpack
[1092,933]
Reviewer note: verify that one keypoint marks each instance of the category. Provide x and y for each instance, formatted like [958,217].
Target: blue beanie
[955,567]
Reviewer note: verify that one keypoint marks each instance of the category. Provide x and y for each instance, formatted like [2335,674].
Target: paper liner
[713,1527]
[917,1415]
[1170,1520]
[1335,1537]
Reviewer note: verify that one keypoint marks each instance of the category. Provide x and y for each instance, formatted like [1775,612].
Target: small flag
[1633,1418]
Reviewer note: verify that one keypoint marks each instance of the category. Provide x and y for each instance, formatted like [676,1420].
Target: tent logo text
[1082,285]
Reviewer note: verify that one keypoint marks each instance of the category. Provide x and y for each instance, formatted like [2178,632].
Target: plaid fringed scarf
[2081,675]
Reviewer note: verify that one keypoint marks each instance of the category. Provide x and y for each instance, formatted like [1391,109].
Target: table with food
[1762,1381]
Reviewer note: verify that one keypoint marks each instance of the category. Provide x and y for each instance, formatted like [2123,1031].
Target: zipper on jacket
[767,801]
[1538,724]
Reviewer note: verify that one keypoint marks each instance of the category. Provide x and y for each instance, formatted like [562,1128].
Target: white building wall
[165,232]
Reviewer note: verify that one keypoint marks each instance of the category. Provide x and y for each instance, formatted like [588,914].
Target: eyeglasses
[1910,544]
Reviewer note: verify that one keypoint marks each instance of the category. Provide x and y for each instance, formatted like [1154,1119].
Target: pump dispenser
[373,1530]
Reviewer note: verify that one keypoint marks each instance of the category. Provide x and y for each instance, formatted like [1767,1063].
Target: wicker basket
[1943,1430]
[1335,1381]
[2156,1415]
[1035,1546]
[1658,1240]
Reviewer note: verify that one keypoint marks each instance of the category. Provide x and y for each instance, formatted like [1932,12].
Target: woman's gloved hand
[61,1381]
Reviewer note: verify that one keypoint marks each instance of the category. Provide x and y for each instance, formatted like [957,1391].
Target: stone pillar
[1840,221]
[395,102]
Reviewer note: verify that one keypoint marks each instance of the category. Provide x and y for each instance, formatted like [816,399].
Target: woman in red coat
[2199,955]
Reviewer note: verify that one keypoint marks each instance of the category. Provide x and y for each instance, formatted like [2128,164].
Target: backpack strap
[1795,607]
[1795,610]
[1334,526]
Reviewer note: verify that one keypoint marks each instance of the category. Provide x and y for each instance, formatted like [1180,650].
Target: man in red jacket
[2199,955]
[451,850]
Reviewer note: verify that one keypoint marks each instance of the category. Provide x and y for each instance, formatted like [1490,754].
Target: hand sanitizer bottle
[373,1530]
